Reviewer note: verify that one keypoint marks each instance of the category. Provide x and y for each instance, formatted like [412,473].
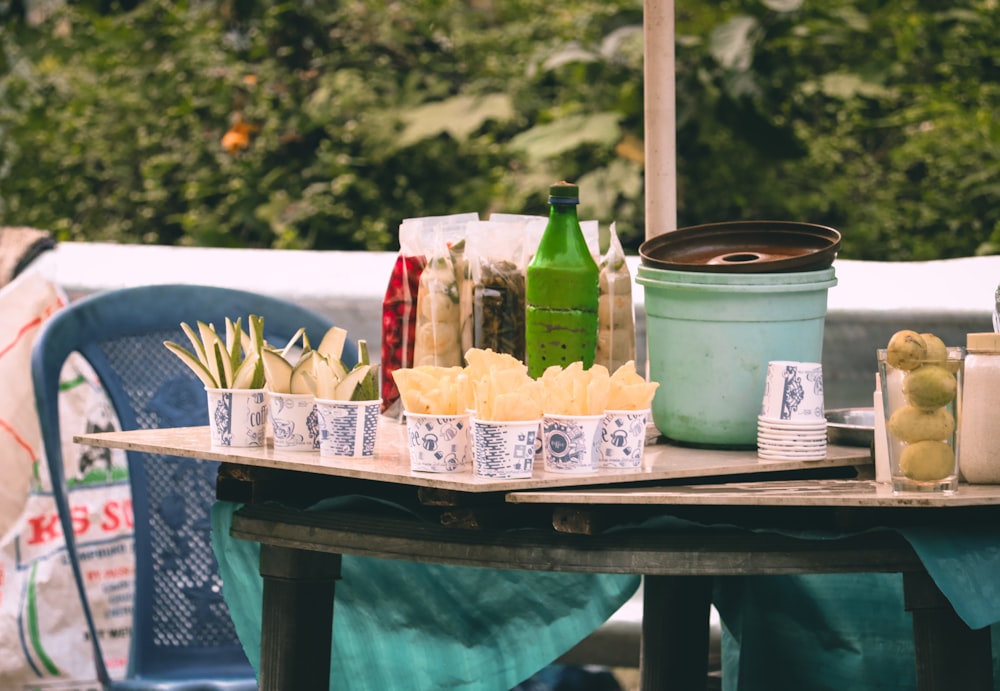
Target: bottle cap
[983,342]
[564,192]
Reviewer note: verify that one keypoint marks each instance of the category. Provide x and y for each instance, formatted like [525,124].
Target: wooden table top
[800,493]
[662,461]
[656,483]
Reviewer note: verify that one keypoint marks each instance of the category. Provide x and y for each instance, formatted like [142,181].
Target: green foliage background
[878,118]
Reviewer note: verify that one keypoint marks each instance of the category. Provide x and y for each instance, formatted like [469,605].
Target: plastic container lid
[983,342]
[744,247]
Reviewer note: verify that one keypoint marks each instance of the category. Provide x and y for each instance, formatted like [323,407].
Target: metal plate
[851,426]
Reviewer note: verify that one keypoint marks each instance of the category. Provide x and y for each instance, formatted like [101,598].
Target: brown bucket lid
[743,247]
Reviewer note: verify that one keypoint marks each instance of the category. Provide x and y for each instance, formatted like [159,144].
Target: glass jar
[979,450]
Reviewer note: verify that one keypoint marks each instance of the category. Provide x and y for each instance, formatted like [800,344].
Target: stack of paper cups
[792,420]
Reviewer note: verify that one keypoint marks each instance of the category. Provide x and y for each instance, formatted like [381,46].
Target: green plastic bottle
[561,290]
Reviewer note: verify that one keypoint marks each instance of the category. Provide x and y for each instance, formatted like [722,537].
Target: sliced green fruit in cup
[277,370]
[302,378]
[248,374]
[352,383]
[229,361]
[192,361]
[328,376]
[332,345]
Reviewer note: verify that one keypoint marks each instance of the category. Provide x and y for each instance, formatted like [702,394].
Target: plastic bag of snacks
[463,275]
[615,309]
[439,315]
[399,306]
[531,226]
[497,259]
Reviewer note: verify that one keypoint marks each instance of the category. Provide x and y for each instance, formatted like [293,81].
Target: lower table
[583,525]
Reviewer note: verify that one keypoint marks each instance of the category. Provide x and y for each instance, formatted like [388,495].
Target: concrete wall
[869,303]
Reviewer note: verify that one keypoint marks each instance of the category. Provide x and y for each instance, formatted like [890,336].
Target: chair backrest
[180,620]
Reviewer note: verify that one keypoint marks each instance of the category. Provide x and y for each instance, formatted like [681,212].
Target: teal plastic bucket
[710,337]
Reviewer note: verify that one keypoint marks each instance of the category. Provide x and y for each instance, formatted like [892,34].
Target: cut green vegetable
[232,361]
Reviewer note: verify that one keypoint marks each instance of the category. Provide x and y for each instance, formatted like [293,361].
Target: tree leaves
[876,118]
[459,117]
[554,138]
[732,43]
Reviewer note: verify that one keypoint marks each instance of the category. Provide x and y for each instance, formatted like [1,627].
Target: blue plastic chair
[182,636]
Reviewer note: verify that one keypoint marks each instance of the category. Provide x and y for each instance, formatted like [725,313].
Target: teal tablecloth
[401,625]
[847,631]
[966,567]
[834,632]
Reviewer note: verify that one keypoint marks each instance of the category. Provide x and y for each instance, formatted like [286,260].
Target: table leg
[675,632]
[297,626]
[949,654]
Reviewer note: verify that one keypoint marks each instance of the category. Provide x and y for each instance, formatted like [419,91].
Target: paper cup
[622,438]
[793,391]
[570,443]
[438,443]
[347,429]
[503,449]
[237,417]
[294,421]
[800,455]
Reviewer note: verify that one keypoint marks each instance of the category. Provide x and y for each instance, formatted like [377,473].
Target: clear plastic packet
[399,305]
[532,226]
[615,309]
[497,261]
[500,217]
[459,251]
[439,314]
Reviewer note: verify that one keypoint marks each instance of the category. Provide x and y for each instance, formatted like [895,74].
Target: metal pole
[660,117]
